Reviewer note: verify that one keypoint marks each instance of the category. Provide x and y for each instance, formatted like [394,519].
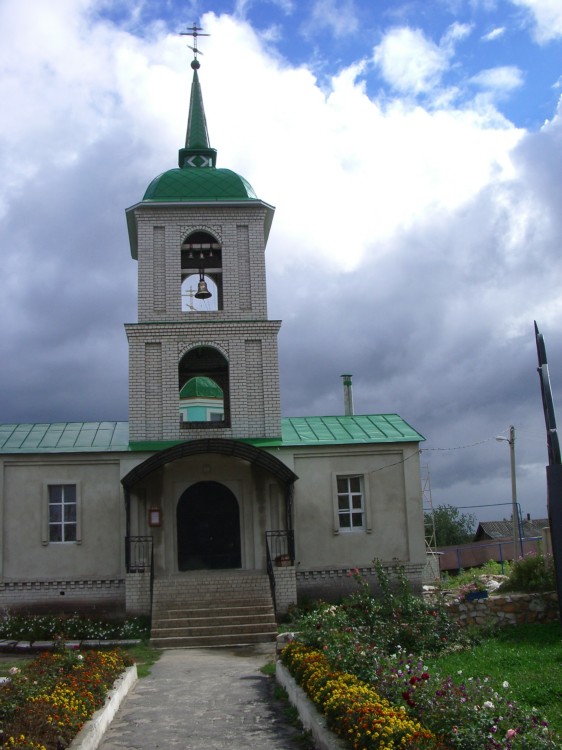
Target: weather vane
[194,31]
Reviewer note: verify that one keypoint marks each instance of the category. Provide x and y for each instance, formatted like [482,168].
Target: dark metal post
[554,469]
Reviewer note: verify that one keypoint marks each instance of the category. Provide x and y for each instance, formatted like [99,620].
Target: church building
[207,494]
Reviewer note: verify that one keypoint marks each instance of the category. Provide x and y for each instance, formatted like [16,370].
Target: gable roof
[86,437]
[504,529]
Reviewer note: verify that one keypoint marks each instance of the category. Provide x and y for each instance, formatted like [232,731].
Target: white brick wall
[285,589]
[96,596]
[137,588]
[241,331]
[331,584]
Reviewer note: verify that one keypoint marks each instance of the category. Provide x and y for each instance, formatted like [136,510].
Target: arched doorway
[208,528]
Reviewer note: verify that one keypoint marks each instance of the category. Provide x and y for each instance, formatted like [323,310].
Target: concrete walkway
[204,699]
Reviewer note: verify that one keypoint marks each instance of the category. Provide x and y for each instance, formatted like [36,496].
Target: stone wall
[506,609]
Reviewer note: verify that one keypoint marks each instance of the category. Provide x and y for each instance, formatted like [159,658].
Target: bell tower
[203,354]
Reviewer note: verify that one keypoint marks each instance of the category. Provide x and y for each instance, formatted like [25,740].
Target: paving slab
[204,699]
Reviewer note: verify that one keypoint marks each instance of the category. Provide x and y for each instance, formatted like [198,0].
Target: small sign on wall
[154,516]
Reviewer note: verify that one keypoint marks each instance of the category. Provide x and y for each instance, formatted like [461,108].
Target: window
[351,508]
[62,513]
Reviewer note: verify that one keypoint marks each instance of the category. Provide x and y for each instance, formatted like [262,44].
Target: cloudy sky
[413,152]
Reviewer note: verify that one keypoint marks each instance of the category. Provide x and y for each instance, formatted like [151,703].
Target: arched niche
[201,260]
[203,388]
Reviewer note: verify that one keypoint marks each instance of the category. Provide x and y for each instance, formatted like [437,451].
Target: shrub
[534,572]
[395,618]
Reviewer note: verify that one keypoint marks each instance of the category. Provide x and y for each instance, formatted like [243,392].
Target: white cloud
[412,245]
[409,62]
[339,17]
[455,33]
[502,79]
[547,16]
[494,34]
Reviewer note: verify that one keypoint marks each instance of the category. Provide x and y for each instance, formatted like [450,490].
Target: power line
[460,447]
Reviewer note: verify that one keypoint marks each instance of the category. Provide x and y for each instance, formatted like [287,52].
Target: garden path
[204,699]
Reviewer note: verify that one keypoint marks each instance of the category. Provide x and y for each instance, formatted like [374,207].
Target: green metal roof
[343,430]
[87,437]
[201,387]
[64,437]
[197,180]
[197,151]
[202,184]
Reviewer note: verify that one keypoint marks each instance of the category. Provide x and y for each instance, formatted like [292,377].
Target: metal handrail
[280,549]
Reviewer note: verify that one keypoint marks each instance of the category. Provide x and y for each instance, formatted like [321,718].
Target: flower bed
[46,703]
[73,627]
[352,708]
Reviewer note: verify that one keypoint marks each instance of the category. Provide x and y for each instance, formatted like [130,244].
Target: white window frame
[366,526]
[46,523]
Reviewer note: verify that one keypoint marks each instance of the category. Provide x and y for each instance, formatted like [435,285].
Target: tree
[451,526]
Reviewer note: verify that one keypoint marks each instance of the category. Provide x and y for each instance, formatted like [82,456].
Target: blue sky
[413,152]
[326,36]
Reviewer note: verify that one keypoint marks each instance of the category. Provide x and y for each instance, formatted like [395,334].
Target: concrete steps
[211,609]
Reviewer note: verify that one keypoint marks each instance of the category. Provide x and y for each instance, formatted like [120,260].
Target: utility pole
[514,511]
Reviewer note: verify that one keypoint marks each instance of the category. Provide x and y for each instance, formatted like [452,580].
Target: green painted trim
[153,445]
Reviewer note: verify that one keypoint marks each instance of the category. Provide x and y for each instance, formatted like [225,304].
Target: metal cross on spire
[194,31]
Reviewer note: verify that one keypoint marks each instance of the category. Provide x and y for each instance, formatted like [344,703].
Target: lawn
[528,657]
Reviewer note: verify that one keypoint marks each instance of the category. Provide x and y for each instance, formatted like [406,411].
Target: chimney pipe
[347,395]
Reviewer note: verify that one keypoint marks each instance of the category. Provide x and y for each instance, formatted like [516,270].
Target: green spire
[197,152]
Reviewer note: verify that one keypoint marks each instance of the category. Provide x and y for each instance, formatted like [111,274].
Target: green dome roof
[201,387]
[207,183]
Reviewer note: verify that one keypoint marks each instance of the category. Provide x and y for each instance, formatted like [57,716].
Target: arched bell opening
[201,273]
[204,388]
[208,528]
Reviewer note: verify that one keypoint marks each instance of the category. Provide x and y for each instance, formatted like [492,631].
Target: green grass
[529,657]
[268,669]
[7,661]
[144,656]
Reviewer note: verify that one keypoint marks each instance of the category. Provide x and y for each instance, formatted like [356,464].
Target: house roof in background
[504,529]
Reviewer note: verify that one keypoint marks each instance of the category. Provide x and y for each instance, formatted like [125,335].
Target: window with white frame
[62,518]
[351,504]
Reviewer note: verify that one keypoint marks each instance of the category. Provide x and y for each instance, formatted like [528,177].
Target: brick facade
[334,583]
[96,597]
[240,331]
[285,589]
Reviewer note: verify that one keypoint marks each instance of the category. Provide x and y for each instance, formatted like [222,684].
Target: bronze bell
[202,291]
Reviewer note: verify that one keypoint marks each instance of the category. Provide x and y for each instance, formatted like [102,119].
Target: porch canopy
[225,447]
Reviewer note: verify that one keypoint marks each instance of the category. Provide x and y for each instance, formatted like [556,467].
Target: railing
[280,548]
[138,554]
